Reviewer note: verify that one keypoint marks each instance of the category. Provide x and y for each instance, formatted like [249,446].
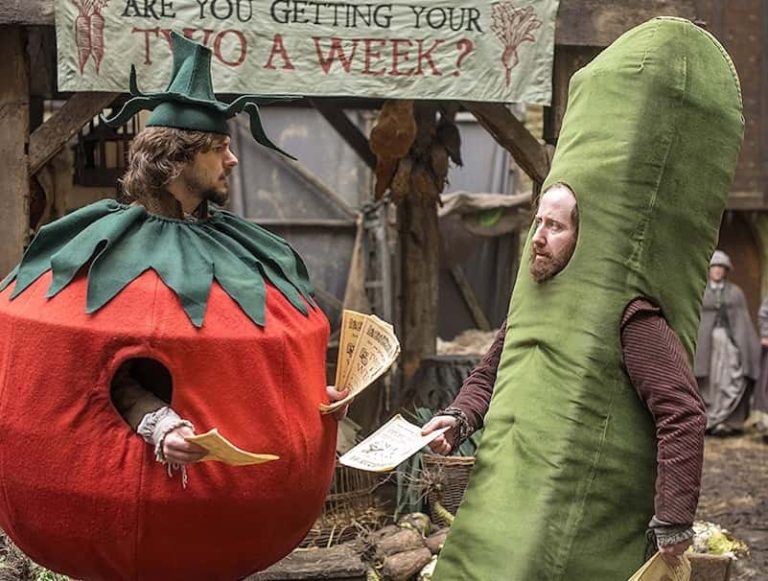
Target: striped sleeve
[476,391]
[658,367]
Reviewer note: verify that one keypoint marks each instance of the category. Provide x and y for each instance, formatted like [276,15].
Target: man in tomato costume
[127,327]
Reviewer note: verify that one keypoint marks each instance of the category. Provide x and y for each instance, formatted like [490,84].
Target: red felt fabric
[82,494]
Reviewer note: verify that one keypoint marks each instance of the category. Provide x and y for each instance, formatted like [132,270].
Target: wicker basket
[349,509]
[445,479]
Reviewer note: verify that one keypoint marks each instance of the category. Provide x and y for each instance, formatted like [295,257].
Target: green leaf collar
[121,242]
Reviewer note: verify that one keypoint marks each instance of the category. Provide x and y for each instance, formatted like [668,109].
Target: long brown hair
[157,157]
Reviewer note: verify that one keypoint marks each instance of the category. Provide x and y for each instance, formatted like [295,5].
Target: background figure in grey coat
[761,388]
[727,361]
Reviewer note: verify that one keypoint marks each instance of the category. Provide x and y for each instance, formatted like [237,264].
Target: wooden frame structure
[583,28]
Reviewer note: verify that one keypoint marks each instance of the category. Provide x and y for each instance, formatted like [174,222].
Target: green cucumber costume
[564,482]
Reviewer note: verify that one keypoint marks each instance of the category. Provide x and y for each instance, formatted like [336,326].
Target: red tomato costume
[227,308]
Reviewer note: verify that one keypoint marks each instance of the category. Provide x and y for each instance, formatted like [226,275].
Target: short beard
[217,197]
[550,266]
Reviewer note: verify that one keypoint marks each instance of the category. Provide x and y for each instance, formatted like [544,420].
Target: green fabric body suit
[563,488]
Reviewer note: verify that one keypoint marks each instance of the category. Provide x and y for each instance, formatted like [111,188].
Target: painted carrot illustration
[513,26]
[82,34]
[97,37]
[89,32]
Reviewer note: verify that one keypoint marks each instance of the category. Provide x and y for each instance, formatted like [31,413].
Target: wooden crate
[710,567]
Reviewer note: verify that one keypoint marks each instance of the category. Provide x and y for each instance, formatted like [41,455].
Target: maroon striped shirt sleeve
[659,369]
[476,391]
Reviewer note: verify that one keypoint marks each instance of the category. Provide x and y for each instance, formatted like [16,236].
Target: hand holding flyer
[367,348]
[221,449]
[389,446]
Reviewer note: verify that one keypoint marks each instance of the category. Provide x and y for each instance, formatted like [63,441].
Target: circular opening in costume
[140,385]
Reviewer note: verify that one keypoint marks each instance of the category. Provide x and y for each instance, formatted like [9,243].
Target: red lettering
[397,55]
[243,45]
[336,51]
[370,55]
[190,34]
[278,48]
[427,55]
[166,32]
[147,32]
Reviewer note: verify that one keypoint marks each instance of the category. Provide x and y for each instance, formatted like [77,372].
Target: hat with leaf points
[188,101]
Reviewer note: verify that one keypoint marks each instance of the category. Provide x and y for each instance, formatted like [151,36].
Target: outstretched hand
[444,443]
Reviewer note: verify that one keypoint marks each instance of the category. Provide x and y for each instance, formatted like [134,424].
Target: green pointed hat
[188,102]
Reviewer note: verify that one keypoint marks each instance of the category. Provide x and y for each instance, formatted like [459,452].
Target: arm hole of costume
[138,383]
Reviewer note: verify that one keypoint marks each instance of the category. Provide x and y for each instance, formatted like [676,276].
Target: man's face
[206,176]
[555,237]
[717,273]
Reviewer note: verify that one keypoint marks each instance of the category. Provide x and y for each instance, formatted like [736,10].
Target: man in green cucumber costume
[594,428]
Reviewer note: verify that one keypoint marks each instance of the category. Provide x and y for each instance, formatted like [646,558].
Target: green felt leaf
[118,243]
[50,239]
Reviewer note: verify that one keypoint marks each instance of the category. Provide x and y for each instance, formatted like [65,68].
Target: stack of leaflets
[367,348]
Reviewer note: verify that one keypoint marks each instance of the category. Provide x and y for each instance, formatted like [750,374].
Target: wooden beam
[568,60]
[41,48]
[14,134]
[512,135]
[348,130]
[470,298]
[26,12]
[54,134]
[419,264]
[419,258]
[341,562]
[599,23]
[750,200]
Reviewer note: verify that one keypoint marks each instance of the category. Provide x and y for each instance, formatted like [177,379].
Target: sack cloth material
[564,482]
[81,493]
[487,214]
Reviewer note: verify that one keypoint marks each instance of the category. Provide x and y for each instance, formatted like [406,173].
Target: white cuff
[155,426]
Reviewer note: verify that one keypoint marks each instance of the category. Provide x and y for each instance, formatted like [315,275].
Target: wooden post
[419,260]
[419,234]
[14,136]
[48,139]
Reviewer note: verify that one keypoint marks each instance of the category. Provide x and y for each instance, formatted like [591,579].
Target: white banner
[424,49]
